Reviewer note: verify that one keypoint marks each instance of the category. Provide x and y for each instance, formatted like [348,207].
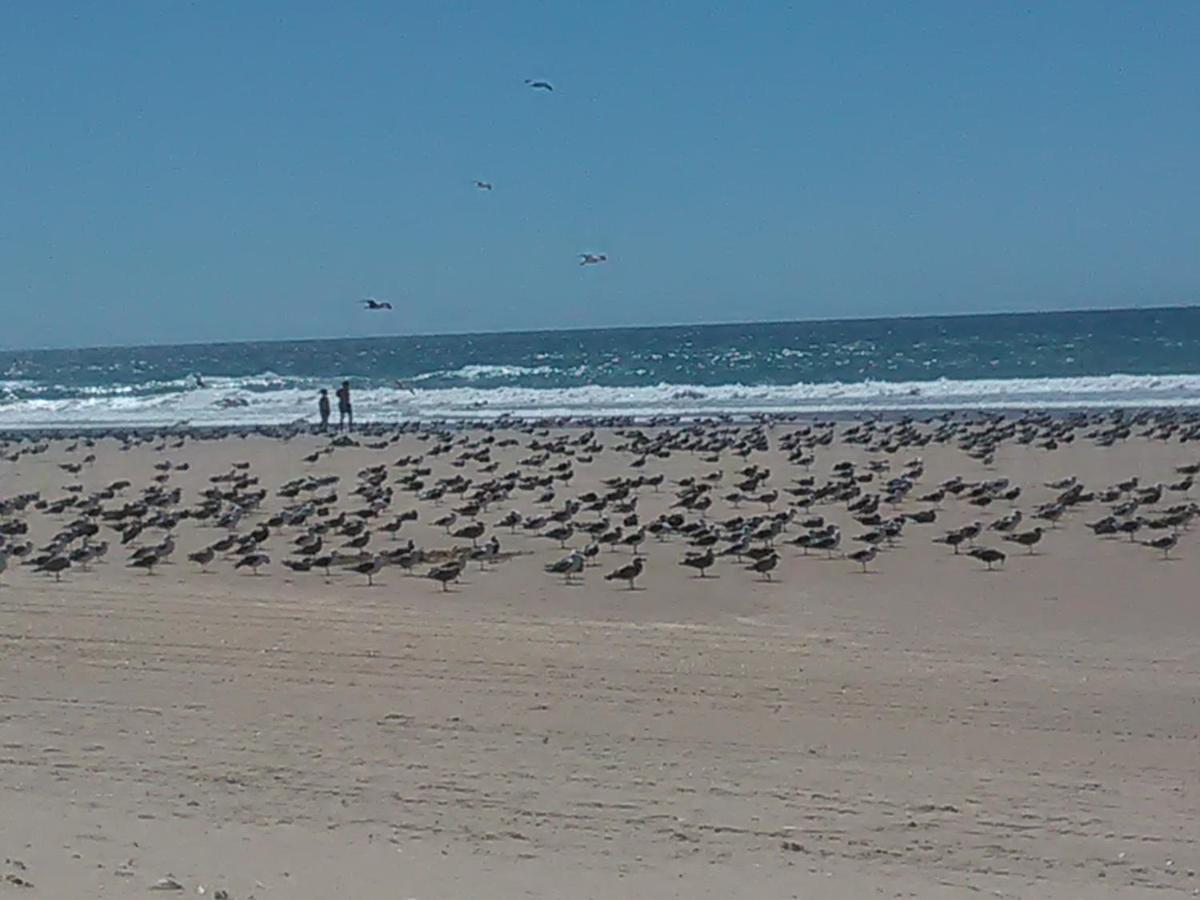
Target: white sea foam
[481,372]
[272,399]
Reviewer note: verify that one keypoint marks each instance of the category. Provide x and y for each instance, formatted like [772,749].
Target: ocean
[1014,361]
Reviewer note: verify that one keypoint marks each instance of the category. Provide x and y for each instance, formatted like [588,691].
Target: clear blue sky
[225,170]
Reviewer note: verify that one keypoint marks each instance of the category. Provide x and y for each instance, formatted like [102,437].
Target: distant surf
[1034,361]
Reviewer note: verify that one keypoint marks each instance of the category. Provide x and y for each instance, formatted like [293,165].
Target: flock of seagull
[737,511]
[585,259]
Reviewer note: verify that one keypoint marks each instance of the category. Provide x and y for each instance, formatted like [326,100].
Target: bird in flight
[591,259]
[540,85]
[483,185]
[372,303]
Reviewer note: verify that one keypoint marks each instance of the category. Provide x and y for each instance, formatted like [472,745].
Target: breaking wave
[268,398]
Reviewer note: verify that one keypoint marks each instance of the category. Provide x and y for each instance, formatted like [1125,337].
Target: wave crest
[270,399]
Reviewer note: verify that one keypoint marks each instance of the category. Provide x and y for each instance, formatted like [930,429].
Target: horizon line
[584,329]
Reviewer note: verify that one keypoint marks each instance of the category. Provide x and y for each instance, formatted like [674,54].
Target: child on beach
[323,408]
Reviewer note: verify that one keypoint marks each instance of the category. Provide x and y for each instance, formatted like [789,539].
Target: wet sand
[926,729]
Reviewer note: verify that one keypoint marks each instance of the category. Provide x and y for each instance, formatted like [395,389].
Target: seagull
[569,565]
[699,561]
[203,557]
[511,520]
[989,556]
[951,539]
[591,259]
[562,534]
[55,565]
[145,561]
[1007,523]
[372,303]
[764,565]
[539,85]
[863,557]
[487,553]
[370,568]
[472,532]
[628,572]
[88,552]
[828,542]
[1026,538]
[1166,544]
[253,561]
[970,532]
[446,573]
[483,185]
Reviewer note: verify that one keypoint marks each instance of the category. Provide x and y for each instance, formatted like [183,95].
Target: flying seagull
[591,259]
[483,185]
[372,303]
[539,85]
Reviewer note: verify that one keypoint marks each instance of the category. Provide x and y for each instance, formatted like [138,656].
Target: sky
[194,171]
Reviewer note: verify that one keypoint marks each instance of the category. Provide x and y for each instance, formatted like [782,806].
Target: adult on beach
[345,410]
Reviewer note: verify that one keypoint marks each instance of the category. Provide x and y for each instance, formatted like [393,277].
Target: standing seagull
[1026,538]
[567,567]
[864,556]
[1166,544]
[540,85]
[628,572]
[372,303]
[369,567]
[55,565]
[203,557]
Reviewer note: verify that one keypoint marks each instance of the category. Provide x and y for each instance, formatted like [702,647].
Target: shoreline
[294,428]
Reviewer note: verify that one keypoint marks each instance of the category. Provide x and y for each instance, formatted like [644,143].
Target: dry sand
[927,730]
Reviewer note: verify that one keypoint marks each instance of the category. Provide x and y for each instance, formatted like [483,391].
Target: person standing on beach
[345,412]
[323,408]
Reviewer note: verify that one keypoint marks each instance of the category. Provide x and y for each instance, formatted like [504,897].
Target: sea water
[1015,361]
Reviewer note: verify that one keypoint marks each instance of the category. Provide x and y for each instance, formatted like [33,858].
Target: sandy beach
[921,728]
